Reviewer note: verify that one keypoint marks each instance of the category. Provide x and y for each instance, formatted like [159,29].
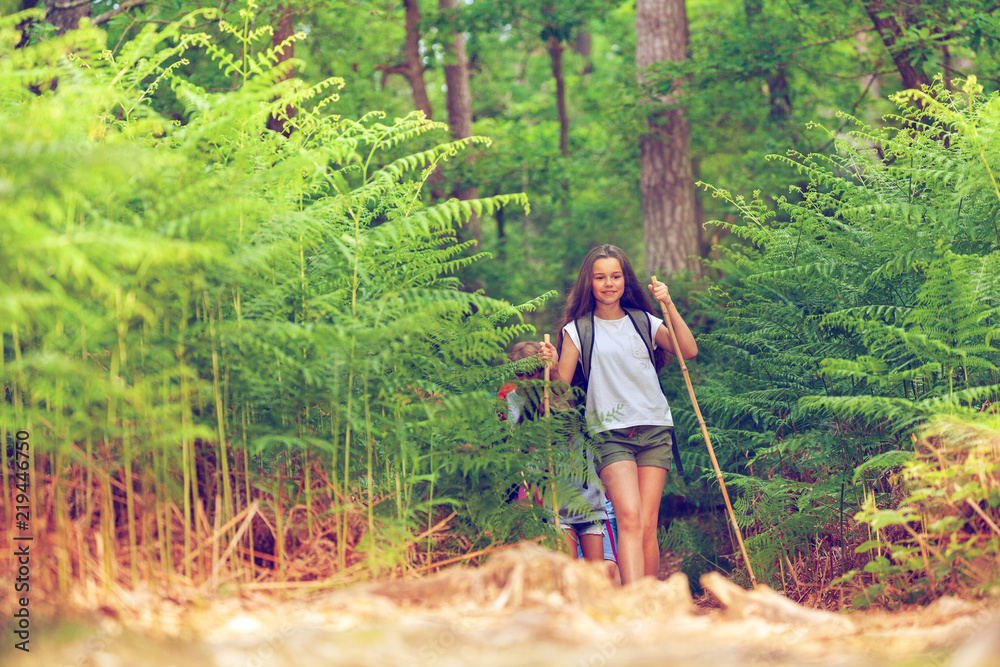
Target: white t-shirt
[624,390]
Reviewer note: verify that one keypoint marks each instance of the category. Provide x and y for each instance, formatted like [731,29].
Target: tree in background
[776,74]
[937,36]
[848,312]
[557,25]
[411,68]
[892,33]
[756,73]
[214,348]
[64,14]
[671,229]
[284,46]
[456,74]
[563,133]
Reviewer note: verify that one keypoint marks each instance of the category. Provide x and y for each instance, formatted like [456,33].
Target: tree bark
[283,29]
[889,30]
[456,74]
[414,65]
[555,53]
[501,235]
[412,68]
[671,230]
[583,47]
[66,14]
[946,67]
[779,96]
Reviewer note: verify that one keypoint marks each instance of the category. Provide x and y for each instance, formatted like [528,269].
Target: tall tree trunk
[779,97]
[889,30]
[946,67]
[412,69]
[283,29]
[66,14]
[583,47]
[414,65]
[555,53]
[456,75]
[671,230]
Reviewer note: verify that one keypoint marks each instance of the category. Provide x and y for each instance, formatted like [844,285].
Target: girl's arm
[685,339]
[563,366]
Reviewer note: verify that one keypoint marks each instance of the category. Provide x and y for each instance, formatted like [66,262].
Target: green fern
[862,307]
[199,295]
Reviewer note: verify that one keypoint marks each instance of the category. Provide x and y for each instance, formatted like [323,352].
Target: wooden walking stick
[704,432]
[545,403]
[545,399]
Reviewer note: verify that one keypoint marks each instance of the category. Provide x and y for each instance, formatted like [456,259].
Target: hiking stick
[704,432]
[545,402]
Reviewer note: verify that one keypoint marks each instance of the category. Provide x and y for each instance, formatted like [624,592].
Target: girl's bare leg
[621,482]
[593,547]
[651,480]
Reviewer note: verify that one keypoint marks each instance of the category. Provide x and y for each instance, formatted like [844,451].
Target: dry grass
[80,525]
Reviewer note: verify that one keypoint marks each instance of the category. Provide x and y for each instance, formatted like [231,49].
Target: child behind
[583,527]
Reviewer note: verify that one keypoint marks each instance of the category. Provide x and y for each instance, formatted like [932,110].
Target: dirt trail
[526,606]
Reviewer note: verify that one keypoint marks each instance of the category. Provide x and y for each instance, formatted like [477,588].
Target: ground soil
[525,606]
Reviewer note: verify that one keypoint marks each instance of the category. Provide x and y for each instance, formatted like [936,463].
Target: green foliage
[759,71]
[698,542]
[862,307]
[947,538]
[586,198]
[206,297]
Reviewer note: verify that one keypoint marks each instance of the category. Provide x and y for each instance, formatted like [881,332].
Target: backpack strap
[637,315]
[585,330]
[677,454]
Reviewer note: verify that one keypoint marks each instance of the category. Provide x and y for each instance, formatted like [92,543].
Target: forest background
[258,307]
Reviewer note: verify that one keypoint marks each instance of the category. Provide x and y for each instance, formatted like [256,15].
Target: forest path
[526,606]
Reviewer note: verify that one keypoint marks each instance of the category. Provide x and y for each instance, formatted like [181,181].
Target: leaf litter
[525,606]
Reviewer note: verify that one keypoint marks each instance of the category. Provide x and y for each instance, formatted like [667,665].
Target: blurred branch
[110,14]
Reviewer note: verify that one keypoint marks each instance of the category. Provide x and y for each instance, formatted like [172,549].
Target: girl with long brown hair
[627,413]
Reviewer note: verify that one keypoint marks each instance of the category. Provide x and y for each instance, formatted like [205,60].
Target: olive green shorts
[646,445]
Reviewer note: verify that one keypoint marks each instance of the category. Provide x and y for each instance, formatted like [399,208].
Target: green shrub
[943,536]
[862,307]
[206,314]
